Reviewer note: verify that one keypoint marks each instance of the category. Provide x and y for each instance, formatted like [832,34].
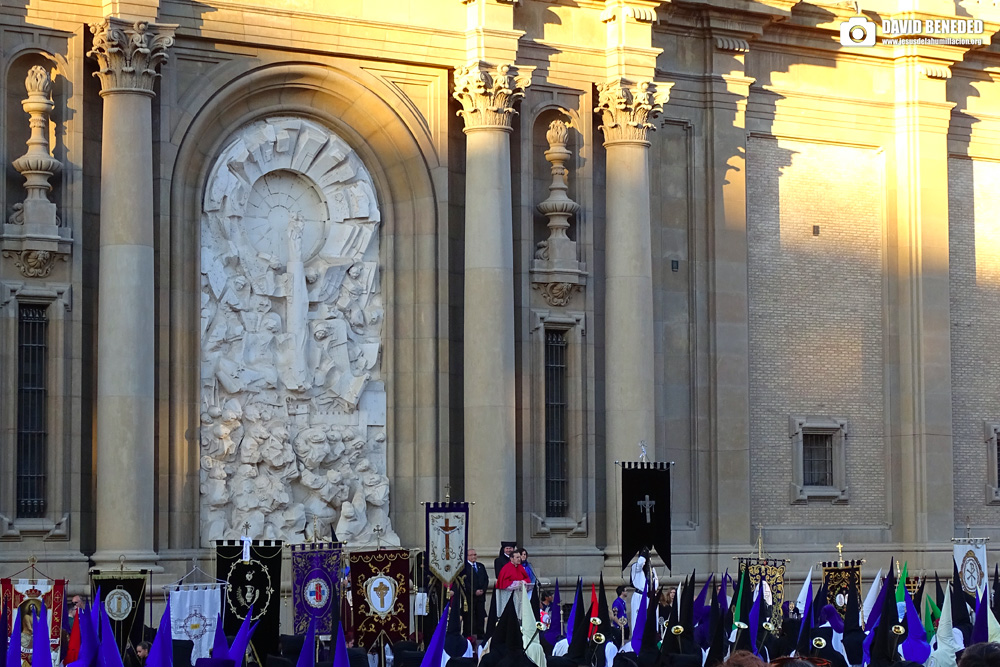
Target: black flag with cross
[645,509]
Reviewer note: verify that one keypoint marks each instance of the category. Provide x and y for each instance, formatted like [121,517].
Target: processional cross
[647,505]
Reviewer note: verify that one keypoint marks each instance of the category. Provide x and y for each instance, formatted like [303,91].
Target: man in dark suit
[477,580]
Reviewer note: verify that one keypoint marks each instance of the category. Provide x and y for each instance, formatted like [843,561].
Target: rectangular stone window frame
[992,437]
[574,523]
[800,493]
[57,297]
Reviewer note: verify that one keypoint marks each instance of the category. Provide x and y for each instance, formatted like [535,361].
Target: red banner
[380,588]
[27,595]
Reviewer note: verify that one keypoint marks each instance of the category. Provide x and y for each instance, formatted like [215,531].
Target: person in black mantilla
[506,549]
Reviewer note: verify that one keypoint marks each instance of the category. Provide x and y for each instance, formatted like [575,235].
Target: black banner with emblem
[840,577]
[254,582]
[123,594]
[380,583]
[645,509]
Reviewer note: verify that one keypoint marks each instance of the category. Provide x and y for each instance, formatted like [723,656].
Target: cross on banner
[381,590]
[447,529]
[647,505]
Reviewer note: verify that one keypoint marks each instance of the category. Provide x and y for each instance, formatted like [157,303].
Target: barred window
[32,323]
[556,454]
[817,459]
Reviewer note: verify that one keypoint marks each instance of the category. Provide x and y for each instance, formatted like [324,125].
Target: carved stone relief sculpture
[293,402]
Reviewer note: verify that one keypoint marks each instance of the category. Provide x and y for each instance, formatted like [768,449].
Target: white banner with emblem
[194,612]
[970,558]
[447,536]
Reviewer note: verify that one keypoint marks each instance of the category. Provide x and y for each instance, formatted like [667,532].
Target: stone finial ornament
[626,109]
[488,94]
[33,235]
[129,53]
[555,272]
[37,165]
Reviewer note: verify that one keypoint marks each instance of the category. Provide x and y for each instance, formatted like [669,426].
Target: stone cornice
[488,94]
[626,109]
[128,54]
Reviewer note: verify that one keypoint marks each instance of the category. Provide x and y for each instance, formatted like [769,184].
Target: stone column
[628,339]
[128,54]
[487,94]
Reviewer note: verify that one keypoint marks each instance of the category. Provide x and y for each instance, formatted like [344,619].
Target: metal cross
[840,553]
[647,505]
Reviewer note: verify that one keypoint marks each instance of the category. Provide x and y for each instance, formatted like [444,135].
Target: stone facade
[299,261]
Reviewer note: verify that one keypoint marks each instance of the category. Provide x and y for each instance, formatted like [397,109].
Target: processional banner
[27,595]
[380,586]
[316,586]
[194,612]
[645,509]
[123,594]
[772,571]
[970,557]
[447,529]
[840,577]
[252,572]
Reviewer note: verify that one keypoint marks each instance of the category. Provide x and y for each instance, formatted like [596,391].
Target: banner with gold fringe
[381,591]
[316,586]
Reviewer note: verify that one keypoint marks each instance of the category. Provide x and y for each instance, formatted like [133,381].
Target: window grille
[556,454]
[31,410]
[817,459]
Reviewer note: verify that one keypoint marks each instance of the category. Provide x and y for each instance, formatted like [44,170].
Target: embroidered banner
[123,594]
[255,582]
[194,611]
[316,586]
[970,557]
[645,509]
[840,577]
[27,595]
[771,570]
[381,590]
[447,530]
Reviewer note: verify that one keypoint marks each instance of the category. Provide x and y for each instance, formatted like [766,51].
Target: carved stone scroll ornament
[34,263]
[128,54]
[626,109]
[488,94]
[293,401]
[556,294]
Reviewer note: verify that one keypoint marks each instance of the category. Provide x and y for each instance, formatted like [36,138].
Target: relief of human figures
[292,400]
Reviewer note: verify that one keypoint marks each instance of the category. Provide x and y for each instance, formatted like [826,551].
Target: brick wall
[974,239]
[816,319]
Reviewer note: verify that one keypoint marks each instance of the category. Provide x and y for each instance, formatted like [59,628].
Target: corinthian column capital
[488,94]
[128,54]
[626,110]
